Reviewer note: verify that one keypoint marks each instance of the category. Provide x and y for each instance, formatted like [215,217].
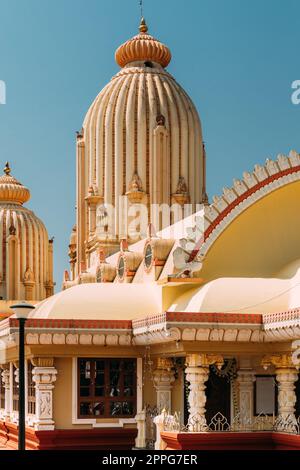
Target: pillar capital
[280,361]
[204,360]
[42,361]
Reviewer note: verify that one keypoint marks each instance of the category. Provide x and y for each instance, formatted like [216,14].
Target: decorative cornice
[41,323]
[254,186]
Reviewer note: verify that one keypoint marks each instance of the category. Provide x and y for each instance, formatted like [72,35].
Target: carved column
[286,376]
[44,376]
[7,385]
[245,379]
[197,373]
[163,377]
[140,442]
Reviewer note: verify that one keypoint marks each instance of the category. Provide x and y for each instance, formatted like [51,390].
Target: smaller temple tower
[26,253]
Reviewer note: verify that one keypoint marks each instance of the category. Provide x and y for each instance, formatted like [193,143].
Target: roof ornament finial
[142,8]
[143,26]
[7,169]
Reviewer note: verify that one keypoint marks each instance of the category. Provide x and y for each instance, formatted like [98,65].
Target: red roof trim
[74,324]
[199,317]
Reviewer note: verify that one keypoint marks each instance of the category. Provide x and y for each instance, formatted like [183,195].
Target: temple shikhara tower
[26,254]
[140,147]
[178,323]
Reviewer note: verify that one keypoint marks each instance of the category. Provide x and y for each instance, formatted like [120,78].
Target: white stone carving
[140,442]
[59,338]
[112,340]
[286,378]
[99,340]
[249,179]
[72,339]
[271,167]
[7,385]
[245,379]
[219,203]
[229,195]
[239,187]
[163,378]
[44,378]
[189,334]
[85,339]
[283,162]
[46,338]
[260,172]
[32,338]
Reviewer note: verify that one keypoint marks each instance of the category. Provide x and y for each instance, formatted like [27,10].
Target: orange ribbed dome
[143,47]
[11,190]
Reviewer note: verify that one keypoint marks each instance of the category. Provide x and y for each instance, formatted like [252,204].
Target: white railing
[219,423]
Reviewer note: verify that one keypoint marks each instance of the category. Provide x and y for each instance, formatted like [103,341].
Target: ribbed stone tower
[26,254]
[141,143]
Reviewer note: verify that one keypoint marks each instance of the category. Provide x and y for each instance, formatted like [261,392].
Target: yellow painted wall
[62,394]
[259,242]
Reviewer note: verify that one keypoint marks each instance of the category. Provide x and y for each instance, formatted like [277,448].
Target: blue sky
[236,58]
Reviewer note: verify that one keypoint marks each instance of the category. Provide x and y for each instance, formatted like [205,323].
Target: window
[106,388]
[121,268]
[265,395]
[148,256]
[149,65]
[99,275]
[2,392]
[31,390]
[15,391]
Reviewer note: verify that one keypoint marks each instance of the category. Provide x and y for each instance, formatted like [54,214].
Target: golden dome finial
[143,26]
[7,169]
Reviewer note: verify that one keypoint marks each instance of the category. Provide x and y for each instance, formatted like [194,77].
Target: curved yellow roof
[242,295]
[102,302]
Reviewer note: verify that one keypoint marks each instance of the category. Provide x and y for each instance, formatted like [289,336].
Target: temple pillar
[163,377]
[140,442]
[286,376]
[44,376]
[5,374]
[197,373]
[245,379]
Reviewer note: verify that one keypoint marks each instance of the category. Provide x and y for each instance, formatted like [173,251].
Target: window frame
[263,376]
[106,399]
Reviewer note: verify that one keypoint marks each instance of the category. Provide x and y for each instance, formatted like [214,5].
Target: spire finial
[7,169]
[143,26]
[142,8]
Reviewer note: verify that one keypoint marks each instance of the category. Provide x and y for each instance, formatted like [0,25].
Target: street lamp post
[22,311]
